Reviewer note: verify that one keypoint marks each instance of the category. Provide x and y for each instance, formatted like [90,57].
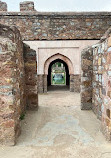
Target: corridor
[59,129]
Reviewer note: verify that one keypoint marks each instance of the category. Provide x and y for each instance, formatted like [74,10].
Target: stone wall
[52,26]
[45,83]
[3,6]
[41,83]
[77,83]
[71,83]
[12,84]
[27,6]
[86,78]
[31,78]
[102,82]
[96,81]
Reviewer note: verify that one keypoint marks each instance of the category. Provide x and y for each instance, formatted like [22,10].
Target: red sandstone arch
[55,57]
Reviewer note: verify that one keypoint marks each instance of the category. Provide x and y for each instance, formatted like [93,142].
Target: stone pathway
[59,129]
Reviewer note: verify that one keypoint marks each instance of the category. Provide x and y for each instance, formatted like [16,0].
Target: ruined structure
[96,78]
[18,75]
[31,41]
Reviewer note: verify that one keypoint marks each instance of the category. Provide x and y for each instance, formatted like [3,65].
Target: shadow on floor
[58,88]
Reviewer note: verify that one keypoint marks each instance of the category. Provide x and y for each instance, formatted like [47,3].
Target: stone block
[3,6]
[27,6]
[99,61]
[109,42]
[86,106]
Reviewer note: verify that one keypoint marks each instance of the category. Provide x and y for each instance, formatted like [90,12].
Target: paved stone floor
[59,129]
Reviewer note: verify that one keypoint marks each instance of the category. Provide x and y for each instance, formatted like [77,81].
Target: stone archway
[55,57]
[69,64]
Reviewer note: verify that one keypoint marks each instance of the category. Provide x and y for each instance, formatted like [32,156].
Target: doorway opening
[58,77]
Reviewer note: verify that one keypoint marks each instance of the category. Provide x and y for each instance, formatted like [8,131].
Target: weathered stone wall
[86,78]
[52,26]
[96,81]
[41,83]
[30,78]
[71,83]
[45,83]
[3,6]
[77,83]
[27,6]
[12,85]
[101,82]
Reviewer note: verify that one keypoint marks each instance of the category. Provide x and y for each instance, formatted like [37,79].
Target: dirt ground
[59,129]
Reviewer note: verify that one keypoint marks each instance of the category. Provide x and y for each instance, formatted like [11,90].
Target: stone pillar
[27,6]
[71,83]
[3,6]
[45,83]
[86,78]
[8,118]
[31,78]
[40,83]
[77,82]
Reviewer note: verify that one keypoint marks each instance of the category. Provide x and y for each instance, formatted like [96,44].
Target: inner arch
[49,77]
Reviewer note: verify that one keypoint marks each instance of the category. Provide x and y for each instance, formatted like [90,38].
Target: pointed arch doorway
[58,77]
[67,74]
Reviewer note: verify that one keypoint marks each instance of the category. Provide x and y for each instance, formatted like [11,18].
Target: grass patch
[22,116]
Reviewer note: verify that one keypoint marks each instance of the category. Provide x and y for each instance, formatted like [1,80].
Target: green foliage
[22,116]
[59,64]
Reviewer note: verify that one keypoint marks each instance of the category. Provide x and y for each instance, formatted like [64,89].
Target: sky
[64,5]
